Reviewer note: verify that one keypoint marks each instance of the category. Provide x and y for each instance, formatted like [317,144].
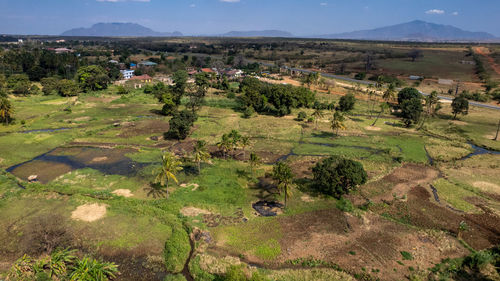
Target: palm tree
[282,174]
[254,161]
[337,122]
[200,153]
[91,269]
[169,167]
[244,142]
[6,110]
[317,114]
[389,93]
[383,107]
[235,137]
[225,144]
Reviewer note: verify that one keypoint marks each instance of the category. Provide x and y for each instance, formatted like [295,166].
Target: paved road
[478,104]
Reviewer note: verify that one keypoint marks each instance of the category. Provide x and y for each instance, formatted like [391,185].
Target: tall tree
[337,122]
[411,111]
[460,105]
[347,102]
[6,110]
[200,153]
[92,78]
[254,162]
[317,114]
[390,93]
[282,174]
[170,166]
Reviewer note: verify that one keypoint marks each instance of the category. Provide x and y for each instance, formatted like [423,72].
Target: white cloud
[323,4]
[434,12]
[192,6]
[455,13]
[230,1]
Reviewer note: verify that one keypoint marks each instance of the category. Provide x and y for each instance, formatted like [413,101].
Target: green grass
[455,195]
[258,237]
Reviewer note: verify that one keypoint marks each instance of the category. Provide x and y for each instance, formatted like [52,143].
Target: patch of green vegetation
[406,255]
[174,277]
[146,156]
[259,237]
[177,249]
[455,195]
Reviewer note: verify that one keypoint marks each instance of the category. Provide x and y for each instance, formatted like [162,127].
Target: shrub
[181,124]
[347,102]
[408,94]
[248,112]
[344,205]
[406,256]
[337,176]
[176,250]
[302,116]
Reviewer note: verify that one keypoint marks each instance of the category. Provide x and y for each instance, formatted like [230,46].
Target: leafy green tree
[170,166]
[282,174]
[49,85]
[180,124]
[411,111]
[460,105]
[179,78]
[6,110]
[347,102]
[15,79]
[67,88]
[337,176]
[301,116]
[122,90]
[408,94]
[200,153]
[92,78]
[225,144]
[254,162]
[337,122]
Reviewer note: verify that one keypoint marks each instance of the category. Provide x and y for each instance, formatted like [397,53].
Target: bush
[174,277]
[406,256]
[180,124]
[408,94]
[301,116]
[177,250]
[347,102]
[122,90]
[248,112]
[344,205]
[337,176]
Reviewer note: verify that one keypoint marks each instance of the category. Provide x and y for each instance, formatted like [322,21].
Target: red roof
[208,70]
[141,77]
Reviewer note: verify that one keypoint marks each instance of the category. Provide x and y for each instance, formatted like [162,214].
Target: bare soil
[89,212]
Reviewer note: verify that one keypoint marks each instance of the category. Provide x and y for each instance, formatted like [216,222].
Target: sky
[208,17]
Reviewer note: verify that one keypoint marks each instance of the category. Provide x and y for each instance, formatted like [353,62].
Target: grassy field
[143,228]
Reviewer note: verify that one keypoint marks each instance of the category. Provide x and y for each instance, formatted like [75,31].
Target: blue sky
[195,17]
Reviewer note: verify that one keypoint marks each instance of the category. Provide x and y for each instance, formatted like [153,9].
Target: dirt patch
[486,53]
[100,159]
[80,119]
[372,128]
[120,105]
[59,102]
[307,198]
[89,212]
[193,212]
[123,192]
[399,182]
[145,127]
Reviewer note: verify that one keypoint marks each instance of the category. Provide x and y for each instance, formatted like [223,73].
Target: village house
[127,74]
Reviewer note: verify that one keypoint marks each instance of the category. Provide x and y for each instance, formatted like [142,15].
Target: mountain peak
[416,30]
[117,29]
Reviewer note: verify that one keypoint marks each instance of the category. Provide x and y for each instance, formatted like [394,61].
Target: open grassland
[110,146]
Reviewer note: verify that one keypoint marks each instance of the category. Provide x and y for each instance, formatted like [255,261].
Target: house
[147,63]
[233,73]
[207,70]
[62,50]
[471,62]
[142,79]
[415,77]
[113,61]
[127,74]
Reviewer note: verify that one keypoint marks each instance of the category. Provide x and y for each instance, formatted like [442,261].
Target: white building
[127,74]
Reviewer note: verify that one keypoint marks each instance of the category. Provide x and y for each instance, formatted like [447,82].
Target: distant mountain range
[411,31]
[414,31]
[258,33]
[118,30]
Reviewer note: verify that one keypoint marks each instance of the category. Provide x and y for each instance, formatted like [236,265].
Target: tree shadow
[156,190]
[266,189]
[156,112]
[243,174]
[324,134]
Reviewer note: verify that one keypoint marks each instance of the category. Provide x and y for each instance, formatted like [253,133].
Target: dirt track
[483,52]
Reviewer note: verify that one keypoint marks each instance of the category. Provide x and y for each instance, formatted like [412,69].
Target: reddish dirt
[491,61]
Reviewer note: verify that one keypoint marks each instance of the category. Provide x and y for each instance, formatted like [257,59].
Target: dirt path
[485,53]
